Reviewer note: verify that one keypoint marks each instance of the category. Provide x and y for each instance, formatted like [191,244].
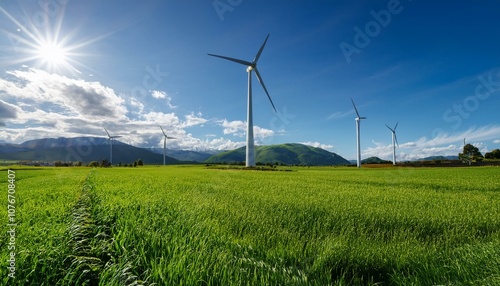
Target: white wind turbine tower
[165,144]
[358,119]
[251,66]
[394,143]
[110,138]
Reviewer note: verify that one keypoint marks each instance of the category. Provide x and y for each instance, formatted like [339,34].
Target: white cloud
[49,105]
[70,96]
[137,104]
[7,111]
[193,120]
[497,141]
[163,95]
[188,142]
[443,144]
[238,128]
[160,118]
[158,94]
[260,132]
[318,145]
[223,144]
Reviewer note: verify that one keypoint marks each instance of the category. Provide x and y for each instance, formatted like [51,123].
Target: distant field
[187,225]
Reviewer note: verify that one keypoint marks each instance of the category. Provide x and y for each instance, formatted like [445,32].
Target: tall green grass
[187,225]
[321,226]
[44,198]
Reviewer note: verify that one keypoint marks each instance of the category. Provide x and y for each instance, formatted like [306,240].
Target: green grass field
[188,225]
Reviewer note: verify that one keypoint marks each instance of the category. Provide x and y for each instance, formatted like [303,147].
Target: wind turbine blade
[260,50]
[107,132]
[233,60]
[392,130]
[362,117]
[355,109]
[163,131]
[396,139]
[264,86]
[396,126]
[171,137]
[117,136]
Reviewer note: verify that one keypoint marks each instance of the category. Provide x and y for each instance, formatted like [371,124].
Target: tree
[93,164]
[140,163]
[470,153]
[494,154]
[105,163]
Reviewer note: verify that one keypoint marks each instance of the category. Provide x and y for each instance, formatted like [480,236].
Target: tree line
[471,153]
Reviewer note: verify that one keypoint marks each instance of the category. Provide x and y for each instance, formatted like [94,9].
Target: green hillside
[375,160]
[289,154]
[122,153]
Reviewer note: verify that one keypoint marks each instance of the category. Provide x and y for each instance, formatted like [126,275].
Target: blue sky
[129,66]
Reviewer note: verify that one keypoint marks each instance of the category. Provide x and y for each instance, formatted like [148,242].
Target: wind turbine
[165,144]
[111,146]
[394,143]
[358,119]
[251,66]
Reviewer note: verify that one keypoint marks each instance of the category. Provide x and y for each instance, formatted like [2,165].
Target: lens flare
[52,54]
[44,46]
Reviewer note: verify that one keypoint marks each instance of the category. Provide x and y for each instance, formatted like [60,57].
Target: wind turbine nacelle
[249,69]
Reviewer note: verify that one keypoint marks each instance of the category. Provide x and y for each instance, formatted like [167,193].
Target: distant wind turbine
[251,66]
[358,119]
[394,143]
[165,144]
[111,145]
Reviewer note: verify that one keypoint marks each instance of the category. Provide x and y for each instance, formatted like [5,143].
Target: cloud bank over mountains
[50,105]
[37,104]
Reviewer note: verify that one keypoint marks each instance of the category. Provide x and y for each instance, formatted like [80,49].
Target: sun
[46,46]
[52,55]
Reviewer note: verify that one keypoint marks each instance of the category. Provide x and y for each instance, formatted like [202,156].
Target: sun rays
[43,45]
[53,55]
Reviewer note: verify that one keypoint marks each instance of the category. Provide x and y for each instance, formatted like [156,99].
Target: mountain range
[375,160]
[289,154]
[187,155]
[87,149]
[439,158]
[84,149]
